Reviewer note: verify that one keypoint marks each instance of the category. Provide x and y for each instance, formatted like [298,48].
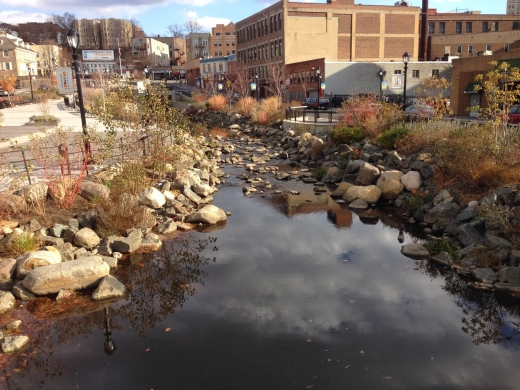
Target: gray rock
[6,285]
[367,175]
[109,287]
[209,214]
[54,241]
[390,184]
[415,251]
[188,193]
[486,275]
[152,197]
[368,194]
[417,165]
[443,258]
[56,230]
[14,325]
[86,238]
[443,197]
[7,268]
[412,180]
[466,215]
[202,190]
[426,172]
[72,275]
[128,244]
[469,235]
[20,292]
[170,198]
[88,219]
[150,243]
[34,193]
[358,204]
[340,191]
[33,226]
[353,166]
[111,261]
[69,233]
[81,252]
[105,246]
[12,204]
[452,228]
[6,301]
[443,212]
[31,260]
[508,287]
[493,242]
[166,227]
[90,190]
[509,275]
[514,258]
[12,344]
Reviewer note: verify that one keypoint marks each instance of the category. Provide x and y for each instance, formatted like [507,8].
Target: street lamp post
[72,39]
[146,70]
[381,74]
[406,59]
[29,70]
[257,88]
[318,73]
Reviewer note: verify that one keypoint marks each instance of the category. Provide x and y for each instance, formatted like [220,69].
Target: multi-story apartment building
[223,40]
[47,58]
[151,51]
[115,33]
[512,7]
[339,30]
[197,45]
[177,49]
[17,57]
[104,34]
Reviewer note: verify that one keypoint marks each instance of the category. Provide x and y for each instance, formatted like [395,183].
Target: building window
[431,28]
[469,27]
[216,53]
[435,72]
[515,25]
[459,49]
[215,44]
[5,53]
[415,74]
[494,26]
[397,71]
[488,48]
[442,27]
[458,27]
[470,49]
[205,43]
[506,48]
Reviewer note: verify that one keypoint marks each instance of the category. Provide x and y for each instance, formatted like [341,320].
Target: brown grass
[246,105]
[217,102]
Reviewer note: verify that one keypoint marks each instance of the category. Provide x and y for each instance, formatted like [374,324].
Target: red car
[514,115]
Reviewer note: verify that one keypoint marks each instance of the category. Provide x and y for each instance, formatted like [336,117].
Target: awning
[473,88]
[513,63]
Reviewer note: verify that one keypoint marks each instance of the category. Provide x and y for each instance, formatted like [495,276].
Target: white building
[151,51]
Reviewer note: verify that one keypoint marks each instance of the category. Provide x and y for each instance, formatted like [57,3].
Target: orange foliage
[7,83]
[217,102]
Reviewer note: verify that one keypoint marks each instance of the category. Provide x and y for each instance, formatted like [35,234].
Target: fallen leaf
[147,349]
[308,387]
[387,377]
[362,352]
[168,329]
[308,340]
[350,365]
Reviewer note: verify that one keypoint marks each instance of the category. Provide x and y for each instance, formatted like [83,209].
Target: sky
[155,16]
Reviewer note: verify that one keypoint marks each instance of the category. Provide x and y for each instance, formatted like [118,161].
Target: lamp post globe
[318,73]
[406,59]
[257,88]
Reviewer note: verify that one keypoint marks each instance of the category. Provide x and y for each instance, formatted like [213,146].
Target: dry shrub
[246,105]
[217,102]
[262,117]
[372,115]
[198,97]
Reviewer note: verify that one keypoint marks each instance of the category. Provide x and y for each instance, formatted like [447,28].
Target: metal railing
[304,114]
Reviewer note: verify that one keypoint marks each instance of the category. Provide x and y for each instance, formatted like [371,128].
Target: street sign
[253,86]
[323,86]
[64,81]
[384,85]
[397,81]
[98,55]
[220,86]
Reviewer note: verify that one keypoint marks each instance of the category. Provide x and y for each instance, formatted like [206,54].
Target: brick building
[177,49]
[339,30]
[223,40]
[105,34]
[197,46]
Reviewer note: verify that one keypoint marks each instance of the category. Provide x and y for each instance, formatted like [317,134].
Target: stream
[292,292]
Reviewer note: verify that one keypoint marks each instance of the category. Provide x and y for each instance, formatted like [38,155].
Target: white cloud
[16,17]
[191,14]
[209,21]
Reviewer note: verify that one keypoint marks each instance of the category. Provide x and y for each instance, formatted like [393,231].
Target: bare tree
[192,26]
[176,30]
[277,74]
[241,83]
[65,21]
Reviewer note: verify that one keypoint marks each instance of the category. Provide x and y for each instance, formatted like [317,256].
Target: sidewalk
[15,128]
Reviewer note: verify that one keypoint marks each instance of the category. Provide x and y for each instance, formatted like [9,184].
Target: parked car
[419,110]
[317,103]
[337,100]
[394,98]
[3,92]
[514,114]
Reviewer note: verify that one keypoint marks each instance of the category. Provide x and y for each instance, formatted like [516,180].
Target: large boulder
[86,238]
[415,251]
[367,175]
[185,178]
[412,180]
[90,190]
[152,197]
[12,204]
[443,213]
[340,191]
[368,194]
[354,165]
[7,268]
[6,301]
[85,272]
[128,244]
[12,344]
[34,193]
[390,184]
[509,275]
[209,215]
[31,260]
[109,287]
[202,190]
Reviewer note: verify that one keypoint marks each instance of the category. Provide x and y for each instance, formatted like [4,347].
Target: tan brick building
[177,47]
[105,34]
[223,40]
[197,46]
[339,30]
